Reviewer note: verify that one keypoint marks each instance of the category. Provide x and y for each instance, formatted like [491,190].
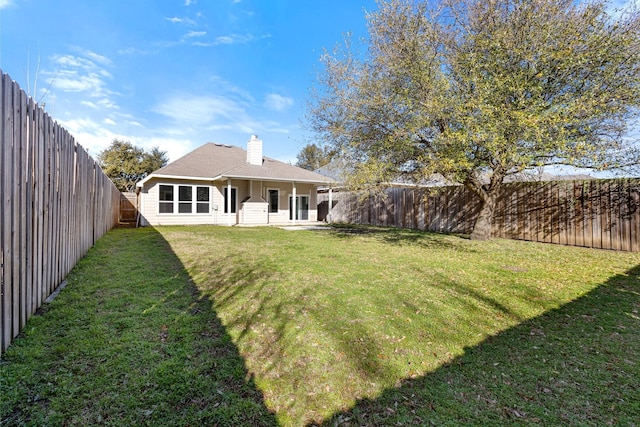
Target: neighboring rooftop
[338,170]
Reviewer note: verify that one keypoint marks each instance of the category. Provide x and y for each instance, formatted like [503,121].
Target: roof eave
[262,178]
[180,177]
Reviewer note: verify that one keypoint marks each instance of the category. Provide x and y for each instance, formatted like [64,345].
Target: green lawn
[355,326]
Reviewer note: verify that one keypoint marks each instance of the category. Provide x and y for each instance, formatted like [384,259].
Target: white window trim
[224,200]
[269,200]
[176,202]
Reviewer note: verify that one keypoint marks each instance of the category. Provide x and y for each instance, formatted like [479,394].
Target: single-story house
[226,185]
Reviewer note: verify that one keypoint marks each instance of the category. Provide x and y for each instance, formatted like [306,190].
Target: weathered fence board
[55,202]
[6,171]
[593,213]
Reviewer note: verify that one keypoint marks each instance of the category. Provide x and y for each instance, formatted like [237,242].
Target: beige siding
[149,206]
[243,189]
[218,203]
[150,215]
[285,191]
[283,201]
[255,188]
[255,213]
[313,203]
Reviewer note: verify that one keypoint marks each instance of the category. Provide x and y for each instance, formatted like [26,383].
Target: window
[166,199]
[185,198]
[202,205]
[188,196]
[234,194]
[273,201]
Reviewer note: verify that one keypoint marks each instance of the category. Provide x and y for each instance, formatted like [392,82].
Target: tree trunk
[482,229]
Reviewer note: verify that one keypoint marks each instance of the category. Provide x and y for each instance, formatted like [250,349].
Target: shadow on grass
[130,341]
[496,382]
[133,341]
[401,236]
[244,284]
[575,365]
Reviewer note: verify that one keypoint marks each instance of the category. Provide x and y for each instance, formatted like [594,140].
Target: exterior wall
[255,213]
[242,191]
[149,205]
[285,190]
[150,215]
[313,203]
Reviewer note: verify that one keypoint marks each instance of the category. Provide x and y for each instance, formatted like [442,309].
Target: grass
[355,326]
[130,341]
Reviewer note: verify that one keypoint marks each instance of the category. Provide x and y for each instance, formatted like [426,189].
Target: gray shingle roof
[217,161]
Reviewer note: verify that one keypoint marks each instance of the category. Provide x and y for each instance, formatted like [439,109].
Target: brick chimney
[254,151]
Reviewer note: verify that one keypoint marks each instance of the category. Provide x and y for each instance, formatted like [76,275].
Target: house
[226,185]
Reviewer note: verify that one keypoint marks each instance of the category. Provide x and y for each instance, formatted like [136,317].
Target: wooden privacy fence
[595,213]
[55,203]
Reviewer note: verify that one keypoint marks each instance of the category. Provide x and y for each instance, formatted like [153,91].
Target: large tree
[127,164]
[314,156]
[480,89]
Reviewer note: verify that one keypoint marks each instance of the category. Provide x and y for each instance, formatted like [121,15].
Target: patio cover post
[330,205]
[228,201]
[293,202]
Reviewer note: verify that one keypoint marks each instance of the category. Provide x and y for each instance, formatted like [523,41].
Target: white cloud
[224,86]
[135,51]
[74,81]
[202,44]
[234,39]
[75,62]
[101,59]
[176,20]
[89,104]
[5,3]
[199,117]
[199,109]
[107,103]
[95,137]
[192,34]
[277,102]
[188,38]
[175,147]
[220,40]
[247,125]
[83,74]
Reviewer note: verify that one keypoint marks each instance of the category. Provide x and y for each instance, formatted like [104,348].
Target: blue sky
[175,73]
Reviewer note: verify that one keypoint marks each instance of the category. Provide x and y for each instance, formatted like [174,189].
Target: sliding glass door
[302,208]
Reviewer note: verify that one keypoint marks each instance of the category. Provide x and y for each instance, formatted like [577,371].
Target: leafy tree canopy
[479,89]
[314,156]
[126,164]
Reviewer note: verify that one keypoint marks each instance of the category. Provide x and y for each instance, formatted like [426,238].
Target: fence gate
[128,208]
